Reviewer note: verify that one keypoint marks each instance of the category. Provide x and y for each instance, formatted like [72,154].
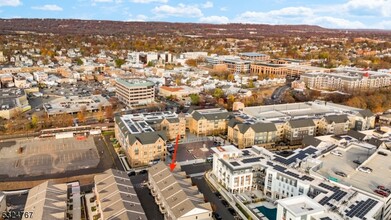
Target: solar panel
[305,177]
[245,152]
[235,163]
[325,218]
[251,160]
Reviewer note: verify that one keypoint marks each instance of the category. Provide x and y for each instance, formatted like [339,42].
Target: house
[333,124]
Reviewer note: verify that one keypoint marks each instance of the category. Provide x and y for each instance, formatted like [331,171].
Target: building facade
[209,121]
[133,92]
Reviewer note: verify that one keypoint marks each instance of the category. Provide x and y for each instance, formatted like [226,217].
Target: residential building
[175,195]
[143,136]
[254,56]
[298,208]
[281,69]
[209,121]
[75,104]
[47,201]
[40,76]
[246,134]
[297,129]
[116,197]
[333,124]
[178,91]
[133,92]
[347,80]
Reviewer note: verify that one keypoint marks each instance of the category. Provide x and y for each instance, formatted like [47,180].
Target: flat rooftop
[135,82]
[301,205]
[73,104]
[141,122]
[365,154]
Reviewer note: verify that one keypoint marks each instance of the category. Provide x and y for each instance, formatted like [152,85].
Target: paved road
[147,201]
[113,154]
[196,168]
[212,198]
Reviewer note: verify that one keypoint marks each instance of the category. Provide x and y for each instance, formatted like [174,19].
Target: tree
[251,84]
[195,99]
[150,64]
[79,62]
[109,112]
[178,82]
[218,93]
[81,115]
[191,62]
[34,121]
[119,62]
[231,77]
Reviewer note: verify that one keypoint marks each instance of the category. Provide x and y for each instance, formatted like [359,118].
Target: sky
[350,14]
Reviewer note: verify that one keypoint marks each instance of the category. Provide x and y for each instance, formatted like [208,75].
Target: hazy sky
[330,13]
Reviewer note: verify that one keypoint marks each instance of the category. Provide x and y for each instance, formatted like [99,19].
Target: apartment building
[254,56]
[47,201]
[297,129]
[209,121]
[333,124]
[133,92]
[143,136]
[347,80]
[233,63]
[281,69]
[279,177]
[245,134]
[178,91]
[175,195]
[116,197]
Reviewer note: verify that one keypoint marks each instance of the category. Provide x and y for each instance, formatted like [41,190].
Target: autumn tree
[109,112]
[218,93]
[81,115]
[195,99]
[191,62]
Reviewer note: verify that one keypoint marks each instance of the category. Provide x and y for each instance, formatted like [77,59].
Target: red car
[384,189]
[380,192]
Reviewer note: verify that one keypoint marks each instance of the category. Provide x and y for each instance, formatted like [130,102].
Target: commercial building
[209,121]
[175,195]
[298,208]
[281,69]
[13,102]
[75,104]
[143,136]
[232,63]
[116,197]
[133,92]
[47,201]
[254,56]
[347,80]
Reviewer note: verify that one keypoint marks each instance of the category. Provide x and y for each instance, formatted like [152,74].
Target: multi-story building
[116,197]
[254,56]
[134,92]
[178,91]
[282,176]
[143,136]
[269,70]
[297,129]
[333,124]
[175,195]
[209,121]
[40,76]
[245,134]
[233,63]
[346,80]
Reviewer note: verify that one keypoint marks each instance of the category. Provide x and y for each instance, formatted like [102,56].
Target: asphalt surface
[106,162]
[196,168]
[113,154]
[16,203]
[212,198]
[147,201]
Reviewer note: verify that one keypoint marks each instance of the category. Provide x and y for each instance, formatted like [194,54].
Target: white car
[336,153]
[365,169]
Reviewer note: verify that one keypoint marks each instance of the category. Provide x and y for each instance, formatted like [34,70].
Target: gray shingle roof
[264,127]
[301,123]
[356,134]
[311,141]
[212,116]
[233,122]
[366,113]
[336,119]
[147,138]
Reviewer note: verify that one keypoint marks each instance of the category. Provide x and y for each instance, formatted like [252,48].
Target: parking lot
[195,151]
[34,157]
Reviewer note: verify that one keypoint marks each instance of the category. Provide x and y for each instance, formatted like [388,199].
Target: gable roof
[336,119]
[211,116]
[301,123]
[366,113]
[356,134]
[147,138]
[310,141]
[263,127]
[232,122]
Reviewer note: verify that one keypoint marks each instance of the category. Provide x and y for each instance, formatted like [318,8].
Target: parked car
[384,189]
[382,193]
[217,216]
[365,169]
[232,211]
[357,162]
[382,153]
[131,173]
[143,172]
[225,203]
[340,173]
[336,153]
